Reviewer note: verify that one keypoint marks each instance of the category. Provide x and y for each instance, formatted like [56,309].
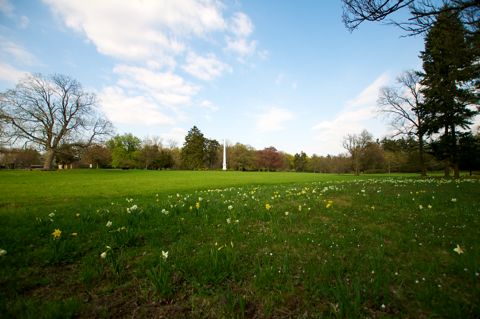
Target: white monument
[224,155]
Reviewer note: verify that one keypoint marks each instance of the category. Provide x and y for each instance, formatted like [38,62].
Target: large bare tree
[403,105]
[50,111]
[356,144]
[423,13]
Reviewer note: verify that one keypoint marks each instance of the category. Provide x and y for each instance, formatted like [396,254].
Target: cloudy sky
[264,73]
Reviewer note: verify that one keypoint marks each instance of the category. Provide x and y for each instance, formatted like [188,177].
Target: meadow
[112,243]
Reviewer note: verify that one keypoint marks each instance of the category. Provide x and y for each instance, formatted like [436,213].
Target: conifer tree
[193,151]
[448,63]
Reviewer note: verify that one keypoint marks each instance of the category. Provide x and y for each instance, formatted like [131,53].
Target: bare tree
[423,12]
[50,111]
[355,144]
[403,105]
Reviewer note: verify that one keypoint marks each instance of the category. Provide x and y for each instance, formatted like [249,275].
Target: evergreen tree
[448,74]
[193,151]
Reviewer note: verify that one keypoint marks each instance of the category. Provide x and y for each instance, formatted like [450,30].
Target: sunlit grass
[378,247]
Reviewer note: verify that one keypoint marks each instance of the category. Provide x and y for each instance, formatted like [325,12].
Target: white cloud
[358,114]
[166,88]
[209,105]
[241,25]
[123,109]
[241,46]
[17,52]
[369,95]
[10,74]
[205,67]
[23,22]
[175,135]
[273,120]
[139,29]
[6,7]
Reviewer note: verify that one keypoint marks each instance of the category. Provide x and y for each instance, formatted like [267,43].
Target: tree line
[365,155]
[57,122]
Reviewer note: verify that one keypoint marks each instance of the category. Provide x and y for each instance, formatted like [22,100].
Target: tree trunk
[47,164]
[421,155]
[447,161]
[454,156]
[456,170]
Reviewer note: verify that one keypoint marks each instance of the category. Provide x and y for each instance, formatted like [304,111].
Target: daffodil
[164,254]
[268,206]
[56,233]
[329,204]
[458,250]
[197,205]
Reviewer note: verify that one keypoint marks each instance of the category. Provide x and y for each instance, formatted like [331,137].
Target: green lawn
[58,187]
[180,244]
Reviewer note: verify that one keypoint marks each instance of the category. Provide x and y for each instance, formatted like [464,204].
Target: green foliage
[193,151]
[300,162]
[125,150]
[449,69]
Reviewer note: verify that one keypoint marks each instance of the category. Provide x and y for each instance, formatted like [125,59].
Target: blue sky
[265,73]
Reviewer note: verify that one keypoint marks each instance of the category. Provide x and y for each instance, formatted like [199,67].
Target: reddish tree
[269,159]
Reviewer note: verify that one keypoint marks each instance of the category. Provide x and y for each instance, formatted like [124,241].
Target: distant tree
[125,150]
[149,153]
[165,160]
[97,155]
[355,144]
[373,158]
[287,162]
[447,84]
[423,12]
[48,112]
[213,150]
[241,157]
[193,151]
[300,161]
[403,104]
[67,154]
[19,158]
[269,159]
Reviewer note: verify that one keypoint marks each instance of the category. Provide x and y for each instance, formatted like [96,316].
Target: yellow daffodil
[57,233]
[197,205]
[268,206]
[329,204]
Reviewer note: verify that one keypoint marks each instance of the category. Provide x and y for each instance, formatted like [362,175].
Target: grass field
[91,243]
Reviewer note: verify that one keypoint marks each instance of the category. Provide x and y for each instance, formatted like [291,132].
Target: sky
[286,74]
